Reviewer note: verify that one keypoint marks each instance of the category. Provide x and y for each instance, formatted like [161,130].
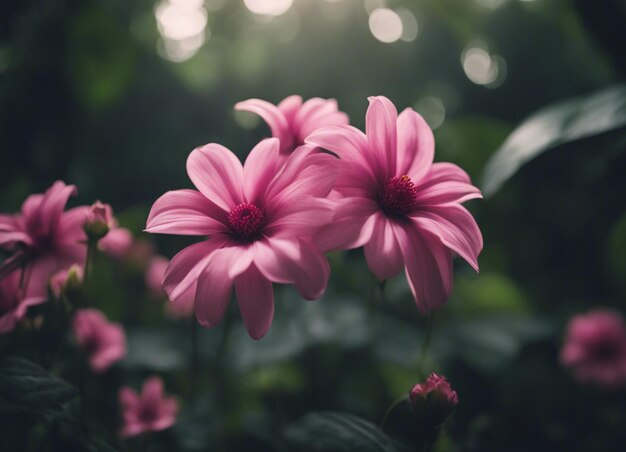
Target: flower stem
[91,249]
[194,358]
[429,333]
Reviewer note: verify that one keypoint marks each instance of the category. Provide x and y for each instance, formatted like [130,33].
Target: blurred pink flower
[393,199]
[99,220]
[291,121]
[183,307]
[103,341]
[149,411]
[48,238]
[117,243]
[433,400]
[258,219]
[59,280]
[595,348]
[14,302]
[140,253]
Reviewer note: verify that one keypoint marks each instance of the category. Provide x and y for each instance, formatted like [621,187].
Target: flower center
[247,220]
[398,197]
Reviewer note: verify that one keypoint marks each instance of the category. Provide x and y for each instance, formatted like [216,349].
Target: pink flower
[51,239]
[595,348]
[404,208]
[72,276]
[183,307]
[14,302]
[258,219]
[103,341]
[117,243]
[291,121]
[99,220]
[433,400]
[149,411]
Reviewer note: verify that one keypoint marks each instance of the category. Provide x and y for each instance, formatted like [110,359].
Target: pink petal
[428,267]
[380,127]
[116,243]
[299,218]
[446,193]
[455,227]
[129,399]
[276,259]
[162,423]
[256,301]
[444,171]
[259,169]
[351,226]
[289,107]
[316,113]
[185,212]
[382,251]
[152,392]
[53,204]
[416,145]
[313,271]
[274,118]
[218,174]
[70,227]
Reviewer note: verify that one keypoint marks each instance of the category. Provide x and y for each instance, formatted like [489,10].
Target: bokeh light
[268,7]
[483,68]
[386,25]
[410,26]
[432,109]
[183,28]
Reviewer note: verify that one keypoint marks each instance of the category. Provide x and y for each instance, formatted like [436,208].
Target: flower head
[392,199]
[433,400]
[150,411]
[117,243]
[291,121]
[595,348]
[99,220]
[49,238]
[14,302]
[259,219]
[103,341]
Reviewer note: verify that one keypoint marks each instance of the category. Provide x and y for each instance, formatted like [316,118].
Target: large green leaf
[554,125]
[27,386]
[337,432]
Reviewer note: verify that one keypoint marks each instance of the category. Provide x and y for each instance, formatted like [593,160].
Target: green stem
[91,249]
[194,367]
[429,333]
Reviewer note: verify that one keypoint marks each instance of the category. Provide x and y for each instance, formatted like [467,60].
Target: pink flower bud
[433,400]
[68,281]
[99,220]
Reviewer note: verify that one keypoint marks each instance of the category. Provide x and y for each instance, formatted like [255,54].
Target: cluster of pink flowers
[272,219]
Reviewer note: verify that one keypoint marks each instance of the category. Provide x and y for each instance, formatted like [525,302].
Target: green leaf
[27,386]
[337,432]
[564,122]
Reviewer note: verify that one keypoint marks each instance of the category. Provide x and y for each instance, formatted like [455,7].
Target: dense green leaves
[554,125]
[27,386]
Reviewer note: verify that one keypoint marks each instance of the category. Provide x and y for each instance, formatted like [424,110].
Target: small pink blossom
[291,121]
[595,348]
[155,273]
[103,341]
[50,238]
[14,302]
[100,215]
[117,243]
[259,219]
[393,200]
[59,281]
[150,411]
[433,400]
[140,253]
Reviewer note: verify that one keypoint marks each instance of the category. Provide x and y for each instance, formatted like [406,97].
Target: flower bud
[67,282]
[99,221]
[433,400]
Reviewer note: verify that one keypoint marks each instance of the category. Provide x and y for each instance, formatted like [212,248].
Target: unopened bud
[67,282]
[433,400]
[99,221]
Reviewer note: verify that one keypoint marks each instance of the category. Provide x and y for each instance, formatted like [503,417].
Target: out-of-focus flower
[45,237]
[150,411]
[67,281]
[117,243]
[103,341]
[595,348]
[183,307]
[140,253]
[14,302]
[393,199]
[433,400]
[99,221]
[259,219]
[291,121]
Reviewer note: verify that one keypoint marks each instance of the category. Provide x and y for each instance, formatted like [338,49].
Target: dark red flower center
[246,220]
[398,196]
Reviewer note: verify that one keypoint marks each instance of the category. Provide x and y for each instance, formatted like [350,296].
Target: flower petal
[313,271]
[217,173]
[70,227]
[53,204]
[289,107]
[272,115]
[351,227]
[316,113]
[275,258]
[256,301]
[428,266]
[380,127]
[185,212]
[382,251]
[416,145]
[301,218]
[259,169]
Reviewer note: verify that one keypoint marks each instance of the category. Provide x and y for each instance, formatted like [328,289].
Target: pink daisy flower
[291,121]
[405,209]
[14,302]
[45,236]
[259,219]
[150,411]
[595,348]
[104,342]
